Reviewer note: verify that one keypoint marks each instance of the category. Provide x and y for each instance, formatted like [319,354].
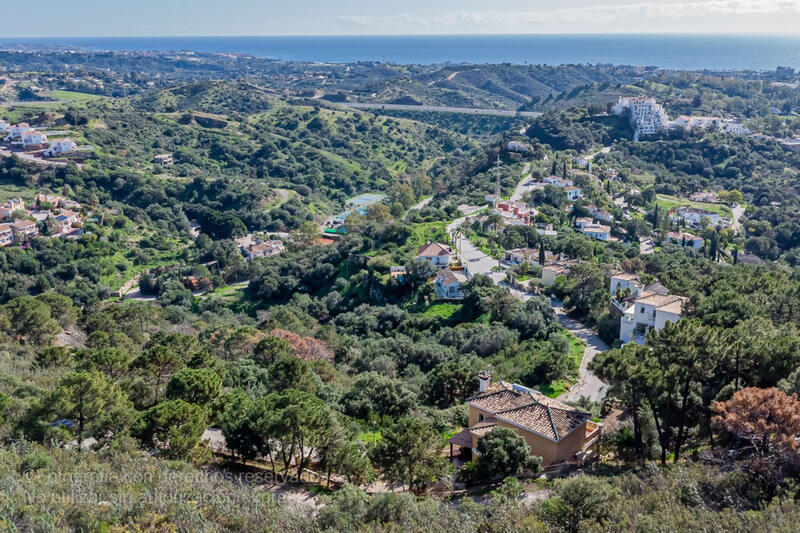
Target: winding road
[477,262]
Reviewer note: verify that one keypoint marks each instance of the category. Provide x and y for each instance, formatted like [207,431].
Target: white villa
[685,239]
[643,308]
[694,216]
[264,249]
[438,255]
[573,193]
[60,146]
[16,131]
[33,138]
[597,232]
[448,283]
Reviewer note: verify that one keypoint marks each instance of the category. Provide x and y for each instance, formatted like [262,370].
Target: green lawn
[74,96]
[443,311]
[666,203]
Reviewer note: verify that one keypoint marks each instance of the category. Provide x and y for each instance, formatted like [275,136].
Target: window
[480,417]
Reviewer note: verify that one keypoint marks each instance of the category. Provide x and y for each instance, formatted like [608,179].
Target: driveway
[524,184]
[588,384]
[646,247]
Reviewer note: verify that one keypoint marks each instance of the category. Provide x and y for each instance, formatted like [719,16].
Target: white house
[65,219]
[60,146]
[16,131]
[573,193]
[600,214]
[597,232]
[685,239]
[4,126]
[519,147]
[518,256]
[582,222]
[694,216]
[551,272]
[6,235]
[8,208]
[649,312]
[555,181]
[438,255]
[264,249]
[33,138]
[448,283]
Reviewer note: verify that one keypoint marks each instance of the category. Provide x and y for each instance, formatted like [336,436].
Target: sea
[673,51]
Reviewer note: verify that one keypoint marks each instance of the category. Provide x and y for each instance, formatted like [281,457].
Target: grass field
[666,203]
[443,311]
[74,96]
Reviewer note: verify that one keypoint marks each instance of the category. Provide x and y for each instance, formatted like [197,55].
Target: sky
[112,18]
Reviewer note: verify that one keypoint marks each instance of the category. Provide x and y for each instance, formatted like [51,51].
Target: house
[582,222]
[6,235]
[519,147]
[448,283]
[600,214]
[573,193]
[552,271]
[397,272]
[60,147]
[24,230]
[8,208]
[597,232]
[32,140]
[518,256]
[648,312]
[685,239]
[56,201]
[706,197]
[16,131]
[65,219]
[4,126]
[264,249]
[554,431]
[694,216]
[546,229]
[555,181]
[438,255]
[164,160]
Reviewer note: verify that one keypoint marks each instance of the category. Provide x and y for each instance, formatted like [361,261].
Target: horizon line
[477,34]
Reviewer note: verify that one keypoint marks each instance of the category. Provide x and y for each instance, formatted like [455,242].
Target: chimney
[483,381]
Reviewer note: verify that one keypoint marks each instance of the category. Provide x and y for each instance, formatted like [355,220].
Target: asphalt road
[442,109]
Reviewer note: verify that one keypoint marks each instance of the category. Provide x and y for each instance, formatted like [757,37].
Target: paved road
[588,384]
[442,109]
[524,184]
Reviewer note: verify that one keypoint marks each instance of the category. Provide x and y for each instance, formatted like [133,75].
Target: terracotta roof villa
[555,431]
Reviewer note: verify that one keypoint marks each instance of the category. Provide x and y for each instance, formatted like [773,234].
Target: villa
[694,216]
[60,147]
[554,431]
[685,239]
[642,308]
[438,255]
[597,232]
[448,283]
[264,249]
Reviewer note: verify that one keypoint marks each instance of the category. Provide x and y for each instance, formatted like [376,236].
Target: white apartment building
[647,116]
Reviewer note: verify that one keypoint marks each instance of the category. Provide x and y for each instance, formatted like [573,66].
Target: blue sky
[367,17]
